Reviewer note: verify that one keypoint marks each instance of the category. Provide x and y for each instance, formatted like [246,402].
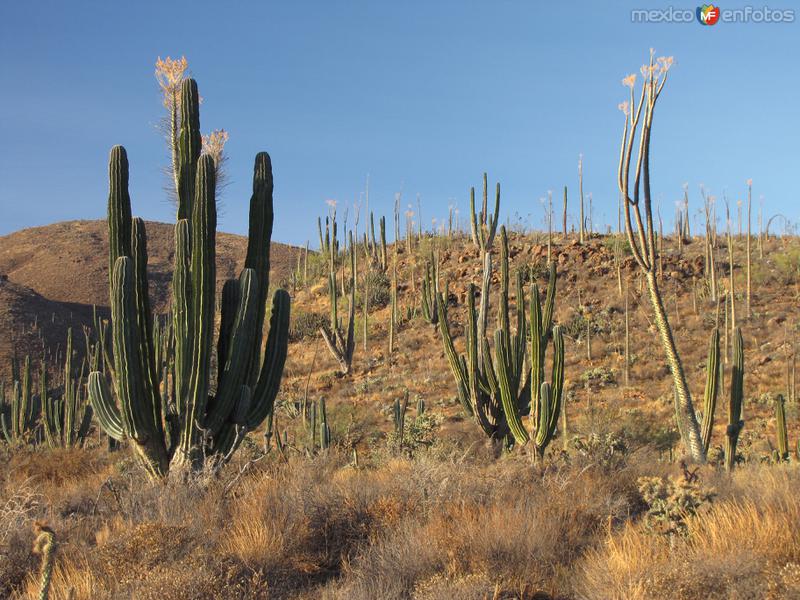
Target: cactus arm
[549,304]
[710,397]
[780,427]
[735,422]
[234,371]
[203,269]
[502,308]
[189,147]
[47,416]
[181,311]
[537,366]
[473,218]
[545,414]
[7,435]
[25,403]
[70,396]
[556,380]
[274,359]
[125,334]
[509,400]
[108,415]
[144,318]
[136,412]
[228,307]
[495,218]
[261,220]
[456,362]
[119,208]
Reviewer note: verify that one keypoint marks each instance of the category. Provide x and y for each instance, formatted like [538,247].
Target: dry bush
[440,525]
[745,546]
[493,526]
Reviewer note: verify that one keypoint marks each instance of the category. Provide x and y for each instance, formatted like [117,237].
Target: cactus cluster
[65,420]
[499,388]
[341,342]
[375,249]
[57,417]
[484,225]
[183,417]
[430,290]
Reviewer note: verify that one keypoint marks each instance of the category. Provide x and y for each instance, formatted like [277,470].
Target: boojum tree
[641,232]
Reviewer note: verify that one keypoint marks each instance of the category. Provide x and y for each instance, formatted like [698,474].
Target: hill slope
[54,274]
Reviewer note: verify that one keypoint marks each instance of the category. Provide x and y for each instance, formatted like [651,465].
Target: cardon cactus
[182,424]
[499,389]
[735,422]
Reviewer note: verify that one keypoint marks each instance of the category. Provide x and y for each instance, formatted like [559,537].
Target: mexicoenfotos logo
[711,14]
[708,14]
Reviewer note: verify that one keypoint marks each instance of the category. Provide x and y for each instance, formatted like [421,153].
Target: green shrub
[305,324]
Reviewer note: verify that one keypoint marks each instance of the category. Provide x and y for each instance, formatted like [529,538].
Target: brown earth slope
[54,274]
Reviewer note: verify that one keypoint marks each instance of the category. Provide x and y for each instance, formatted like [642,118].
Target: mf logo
[708,14]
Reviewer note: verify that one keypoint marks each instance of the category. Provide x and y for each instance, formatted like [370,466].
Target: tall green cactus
[710,397]
[545,398]
[484,225]
[500,388]
[183,425]
[430,290]
[780,427]
[324,428]
[735,422]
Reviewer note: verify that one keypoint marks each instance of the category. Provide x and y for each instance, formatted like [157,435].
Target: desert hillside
[52,276]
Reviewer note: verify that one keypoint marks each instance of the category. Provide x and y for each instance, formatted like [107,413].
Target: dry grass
[441,525]
[745,546]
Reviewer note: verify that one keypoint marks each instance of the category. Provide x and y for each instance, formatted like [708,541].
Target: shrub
[305,324]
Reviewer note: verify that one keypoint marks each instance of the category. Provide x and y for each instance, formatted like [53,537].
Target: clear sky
[421,95]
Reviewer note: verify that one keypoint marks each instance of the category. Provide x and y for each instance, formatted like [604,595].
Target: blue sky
[423,96]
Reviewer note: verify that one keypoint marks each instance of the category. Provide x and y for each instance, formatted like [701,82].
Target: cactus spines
[780,427]
[177,426]
[484,225]
[712,380]
[735,422]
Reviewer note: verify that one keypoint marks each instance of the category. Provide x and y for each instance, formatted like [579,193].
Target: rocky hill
[53,275]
